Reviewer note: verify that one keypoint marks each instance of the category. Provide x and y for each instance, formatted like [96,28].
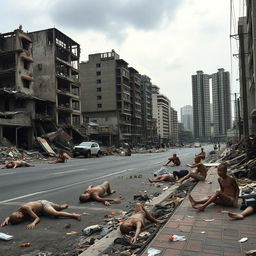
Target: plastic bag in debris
[6,237]
[162,170]
[153,251]
[91,229]
[175,238]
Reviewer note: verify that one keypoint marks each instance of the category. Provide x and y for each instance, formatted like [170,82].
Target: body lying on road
[61,158]
[96,192]
[35,208]
[170,177]
[226,196]
[136,221]
[17,163]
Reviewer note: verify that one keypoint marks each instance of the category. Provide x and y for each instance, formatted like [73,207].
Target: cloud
[113,17]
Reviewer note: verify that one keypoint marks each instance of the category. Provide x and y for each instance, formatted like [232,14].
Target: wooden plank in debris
[46,147]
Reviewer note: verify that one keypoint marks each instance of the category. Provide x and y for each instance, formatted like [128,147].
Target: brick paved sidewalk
[207,238]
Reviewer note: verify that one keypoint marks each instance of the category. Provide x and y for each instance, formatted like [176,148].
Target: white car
[87,149]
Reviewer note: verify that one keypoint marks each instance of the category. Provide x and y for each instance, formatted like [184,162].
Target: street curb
[102,244]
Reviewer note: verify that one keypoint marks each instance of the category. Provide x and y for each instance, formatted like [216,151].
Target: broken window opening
[62,54]
[74,64]
[7,62]
[63,101]
[63,85]
[26,83]
[76,120]
[75,90]
[75,105]
[62,69]
[25,44]
[26,64]
[64,118]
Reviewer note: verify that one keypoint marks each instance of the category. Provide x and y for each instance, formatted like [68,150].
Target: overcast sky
[167,40]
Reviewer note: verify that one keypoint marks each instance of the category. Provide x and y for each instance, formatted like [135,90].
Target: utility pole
[243,81]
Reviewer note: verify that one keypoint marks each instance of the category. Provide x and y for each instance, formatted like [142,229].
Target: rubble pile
[12,153]
[241,158]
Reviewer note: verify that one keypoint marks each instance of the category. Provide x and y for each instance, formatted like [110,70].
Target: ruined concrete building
[39,85]
[111,98]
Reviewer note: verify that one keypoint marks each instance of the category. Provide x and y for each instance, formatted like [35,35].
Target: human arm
[137,232]
[105,200]
[5,222]
[236,189]
[89,189]
[28,211]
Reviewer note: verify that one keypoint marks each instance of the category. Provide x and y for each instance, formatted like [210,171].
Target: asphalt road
[63,183]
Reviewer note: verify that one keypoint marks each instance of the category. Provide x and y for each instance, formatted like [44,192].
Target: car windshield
[85,144]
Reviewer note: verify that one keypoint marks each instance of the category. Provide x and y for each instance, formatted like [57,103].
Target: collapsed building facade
[39,86]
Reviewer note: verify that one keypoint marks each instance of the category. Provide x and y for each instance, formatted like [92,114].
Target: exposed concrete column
[1,132]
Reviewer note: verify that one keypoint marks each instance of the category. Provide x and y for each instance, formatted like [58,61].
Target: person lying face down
[96,193]
[31,210]
[17,163]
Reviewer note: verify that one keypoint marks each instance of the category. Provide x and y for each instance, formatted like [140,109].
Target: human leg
[184,178]
[157,179]
[239,216]
[57,213]
[195,202]
[218,198]
[148,215]
[106,185]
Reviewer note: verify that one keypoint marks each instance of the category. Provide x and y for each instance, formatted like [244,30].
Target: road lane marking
[9,173]
[62,187]
[69,171]
[58,167]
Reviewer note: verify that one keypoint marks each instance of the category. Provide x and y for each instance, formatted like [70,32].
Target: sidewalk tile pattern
[218,237]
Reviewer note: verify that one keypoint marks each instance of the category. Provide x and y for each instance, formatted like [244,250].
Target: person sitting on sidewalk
[137,220]
[35,208]
[170,177]
[96,193]
[249,210]
[174,159]
[199,174]
[17,163]
[226,196]
[202,154]
[61,158]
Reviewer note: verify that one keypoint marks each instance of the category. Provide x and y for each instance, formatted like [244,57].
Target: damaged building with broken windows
[39,87]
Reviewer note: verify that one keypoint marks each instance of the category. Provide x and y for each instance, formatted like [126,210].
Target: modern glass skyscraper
[221,102]
[201,105]
[186,115]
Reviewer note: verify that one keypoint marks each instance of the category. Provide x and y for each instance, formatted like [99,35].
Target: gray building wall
[98,77]
[44,65]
